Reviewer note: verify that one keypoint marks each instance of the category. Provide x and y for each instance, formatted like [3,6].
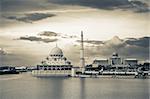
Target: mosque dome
[56,52]
[115,54]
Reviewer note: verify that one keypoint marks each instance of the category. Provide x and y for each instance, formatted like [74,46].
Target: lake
[25,86]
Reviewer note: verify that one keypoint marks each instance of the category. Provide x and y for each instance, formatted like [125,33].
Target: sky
[109,26]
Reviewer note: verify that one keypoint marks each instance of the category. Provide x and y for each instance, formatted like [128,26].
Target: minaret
[82,61]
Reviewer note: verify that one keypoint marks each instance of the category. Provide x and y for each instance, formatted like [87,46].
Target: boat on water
[8,70]
[118,75]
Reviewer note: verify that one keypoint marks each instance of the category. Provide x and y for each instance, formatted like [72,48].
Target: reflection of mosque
[54,65]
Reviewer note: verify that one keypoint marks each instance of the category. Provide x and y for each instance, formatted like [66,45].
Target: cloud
[34,38]
[32,17]
[3,52]
[54,34]
[21,5]
[48,36]
[66,36]
[140,6]
[114,41]
[95,42]
[142,42]
[107,4]
[37,5]
[48,33]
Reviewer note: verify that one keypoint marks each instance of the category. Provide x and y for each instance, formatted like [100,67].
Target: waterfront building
[131,61]
[115,59]
[8,70]
[56,64]
[100,62]
[146,66]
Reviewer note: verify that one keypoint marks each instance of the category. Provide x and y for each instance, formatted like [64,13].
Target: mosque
[56,64]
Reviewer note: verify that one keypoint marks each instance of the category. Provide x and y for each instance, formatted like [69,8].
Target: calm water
[24,86]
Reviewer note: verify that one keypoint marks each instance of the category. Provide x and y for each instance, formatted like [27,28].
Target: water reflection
[82,88]
[28,87]
[51,87]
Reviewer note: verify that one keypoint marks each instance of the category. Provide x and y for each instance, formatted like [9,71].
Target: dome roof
[115,54]
[56,51]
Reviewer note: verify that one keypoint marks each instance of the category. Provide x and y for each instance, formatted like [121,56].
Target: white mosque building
[56,64]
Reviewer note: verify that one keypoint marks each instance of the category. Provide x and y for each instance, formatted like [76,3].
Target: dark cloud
[114,41]
[34,38]
[54,34]
[37,5]
[69,36]
[29,18]
[92,42]
[135,5]
[48,33]
[104,4]
[21,5]
[142,42]
[140,6]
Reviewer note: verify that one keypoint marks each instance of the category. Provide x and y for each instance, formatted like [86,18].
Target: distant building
[146,66]
[131,62]
[100,62]
[115,61]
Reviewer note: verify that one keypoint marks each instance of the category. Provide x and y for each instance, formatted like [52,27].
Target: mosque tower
[82,60]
